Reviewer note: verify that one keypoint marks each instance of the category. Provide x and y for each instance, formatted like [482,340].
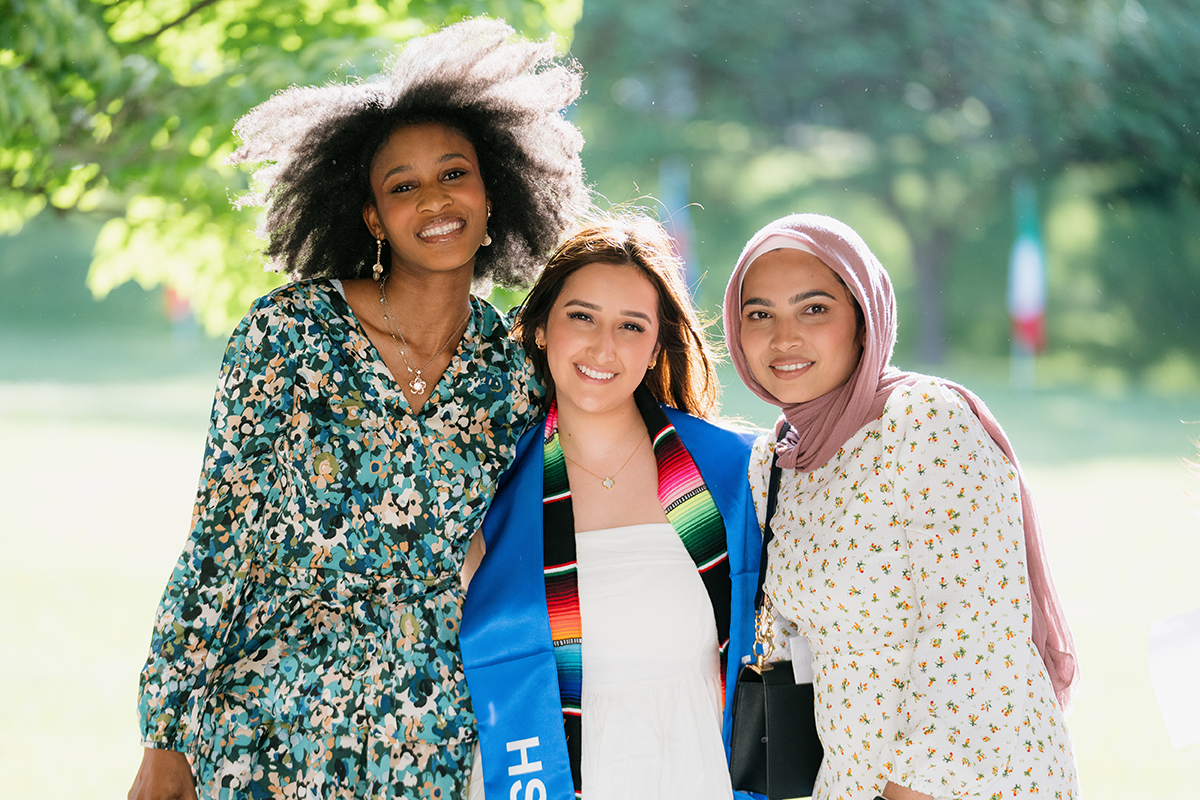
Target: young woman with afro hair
[307,642]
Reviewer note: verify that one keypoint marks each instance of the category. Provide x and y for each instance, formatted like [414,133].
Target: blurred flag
[1027,275]
[673,178]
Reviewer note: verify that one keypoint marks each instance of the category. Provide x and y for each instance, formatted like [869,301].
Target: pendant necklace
[610,481]
[417,384]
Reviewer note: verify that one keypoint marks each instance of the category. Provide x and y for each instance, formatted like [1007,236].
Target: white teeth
[442,229]
[792,367]
[591,373]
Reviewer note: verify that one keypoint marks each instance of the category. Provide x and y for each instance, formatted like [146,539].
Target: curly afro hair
[506,95]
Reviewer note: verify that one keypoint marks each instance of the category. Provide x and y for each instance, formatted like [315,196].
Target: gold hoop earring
[539,344]
[653,363]
[377,270]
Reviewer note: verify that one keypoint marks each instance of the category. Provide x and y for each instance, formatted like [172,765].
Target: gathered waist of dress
[348,623]
[342,587]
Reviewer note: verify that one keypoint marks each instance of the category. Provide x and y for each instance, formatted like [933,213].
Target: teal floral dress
[307,642]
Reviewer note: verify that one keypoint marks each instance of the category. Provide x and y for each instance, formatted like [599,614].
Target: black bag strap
[772,497]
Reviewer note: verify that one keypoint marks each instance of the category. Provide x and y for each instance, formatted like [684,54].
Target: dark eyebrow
[584,303]
[594,307]
[800,298]
[793,300]
[408,167]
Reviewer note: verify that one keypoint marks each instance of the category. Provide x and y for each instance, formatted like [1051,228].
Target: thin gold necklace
[610,481]
[417,384]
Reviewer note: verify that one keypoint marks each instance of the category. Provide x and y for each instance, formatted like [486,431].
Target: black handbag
[774,748]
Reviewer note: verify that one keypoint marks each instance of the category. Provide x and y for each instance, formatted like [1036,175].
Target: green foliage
[912,116]
[1130,288]
[126,107]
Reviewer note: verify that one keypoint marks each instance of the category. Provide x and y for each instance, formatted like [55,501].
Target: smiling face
[601,336]
[800,330]
[430,202]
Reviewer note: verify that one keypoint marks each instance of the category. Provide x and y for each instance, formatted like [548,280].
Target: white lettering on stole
[535,789]
[525,766]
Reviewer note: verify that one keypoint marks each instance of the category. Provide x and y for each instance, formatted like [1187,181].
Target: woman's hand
[163,775]
[894,792]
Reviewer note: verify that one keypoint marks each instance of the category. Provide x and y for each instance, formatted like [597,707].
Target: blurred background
[1027,170]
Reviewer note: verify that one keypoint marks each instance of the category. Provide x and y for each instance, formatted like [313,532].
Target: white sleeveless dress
[651,671]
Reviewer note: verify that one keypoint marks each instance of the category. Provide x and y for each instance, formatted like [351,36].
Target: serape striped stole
[691,511]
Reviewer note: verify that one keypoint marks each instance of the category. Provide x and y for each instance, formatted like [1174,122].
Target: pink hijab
[821,426]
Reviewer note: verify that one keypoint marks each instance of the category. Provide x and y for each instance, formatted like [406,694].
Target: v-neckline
[380,369]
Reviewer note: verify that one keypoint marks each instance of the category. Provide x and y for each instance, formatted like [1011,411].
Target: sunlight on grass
[94,516]
[1123,540]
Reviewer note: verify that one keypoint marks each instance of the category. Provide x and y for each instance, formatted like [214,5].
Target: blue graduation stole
[505,638]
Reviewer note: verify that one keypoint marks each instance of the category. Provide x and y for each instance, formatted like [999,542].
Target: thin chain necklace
[417,384]
[610,481]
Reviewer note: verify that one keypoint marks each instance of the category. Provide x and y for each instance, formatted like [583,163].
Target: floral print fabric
[902,561]
[307,642]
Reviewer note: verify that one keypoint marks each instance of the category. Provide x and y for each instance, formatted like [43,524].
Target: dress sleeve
[528,390]
[960,507]
[760,475]
[199,602]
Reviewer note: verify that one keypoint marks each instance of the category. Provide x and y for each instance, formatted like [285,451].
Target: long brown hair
[684,376]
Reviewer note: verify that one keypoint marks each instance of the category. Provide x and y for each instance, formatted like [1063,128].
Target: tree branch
[203,4]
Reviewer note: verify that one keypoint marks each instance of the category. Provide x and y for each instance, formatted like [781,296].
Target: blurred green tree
[930,107]
[126,108]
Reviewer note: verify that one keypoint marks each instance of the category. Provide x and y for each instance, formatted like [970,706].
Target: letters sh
[535,789]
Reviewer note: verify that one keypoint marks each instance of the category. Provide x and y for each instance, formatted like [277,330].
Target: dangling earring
[487,237]
[377,270]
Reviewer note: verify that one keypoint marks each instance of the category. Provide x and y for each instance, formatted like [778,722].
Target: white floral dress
[902,561]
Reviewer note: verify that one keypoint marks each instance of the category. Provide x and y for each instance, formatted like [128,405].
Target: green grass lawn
[102,440]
